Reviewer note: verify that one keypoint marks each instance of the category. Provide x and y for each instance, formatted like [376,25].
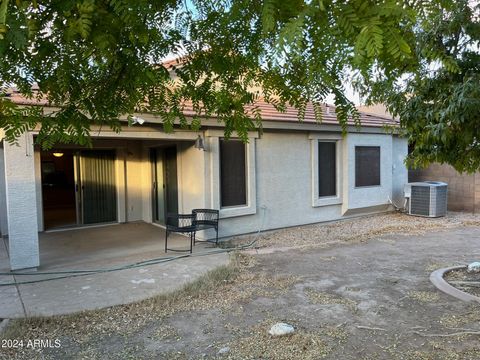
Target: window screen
[327,169]
[233,185]
[367,166]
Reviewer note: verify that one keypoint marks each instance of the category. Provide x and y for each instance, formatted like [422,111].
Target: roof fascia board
[266,124]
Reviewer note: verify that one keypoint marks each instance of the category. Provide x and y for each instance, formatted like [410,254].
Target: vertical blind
[327,169]
[233,183]
[99,201]
[367,166]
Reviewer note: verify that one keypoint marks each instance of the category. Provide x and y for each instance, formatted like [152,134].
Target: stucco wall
[21,203]
[399,170]
[134,163]
[3,203]
[191,177]
[371,195]
[280,170]
[146,183]
[282,165]
[284,175]
[463,189]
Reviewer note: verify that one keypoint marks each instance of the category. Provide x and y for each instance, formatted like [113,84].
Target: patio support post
[21,203]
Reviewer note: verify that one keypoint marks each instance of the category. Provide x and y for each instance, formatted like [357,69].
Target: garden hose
[76,273]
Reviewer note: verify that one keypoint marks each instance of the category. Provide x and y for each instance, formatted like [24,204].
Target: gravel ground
[356,289]
[358,230]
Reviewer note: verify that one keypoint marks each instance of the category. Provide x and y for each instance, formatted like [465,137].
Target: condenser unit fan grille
[427,198]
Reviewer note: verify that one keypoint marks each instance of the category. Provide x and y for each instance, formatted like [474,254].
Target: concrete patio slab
[102,248]
[10,303]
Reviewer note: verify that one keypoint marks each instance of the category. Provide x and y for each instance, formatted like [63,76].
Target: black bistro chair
[206,219]
[183,224]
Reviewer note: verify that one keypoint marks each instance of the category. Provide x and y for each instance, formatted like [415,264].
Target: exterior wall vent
[427,198]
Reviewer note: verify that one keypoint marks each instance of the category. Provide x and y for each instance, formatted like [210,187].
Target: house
[293,173]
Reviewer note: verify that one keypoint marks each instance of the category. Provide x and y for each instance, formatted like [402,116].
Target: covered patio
[140,175]
[102,248]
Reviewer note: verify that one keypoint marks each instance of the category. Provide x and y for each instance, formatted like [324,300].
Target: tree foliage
[99,60]
[96,59]
[439,103]
[91,58]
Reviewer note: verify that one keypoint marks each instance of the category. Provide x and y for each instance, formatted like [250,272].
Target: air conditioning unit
[428,198]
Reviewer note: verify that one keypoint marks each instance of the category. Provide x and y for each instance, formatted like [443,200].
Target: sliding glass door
[78,187]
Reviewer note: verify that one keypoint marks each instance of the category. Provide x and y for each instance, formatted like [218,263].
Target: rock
[280,329]
[3,324]
[223,350]
[474,267]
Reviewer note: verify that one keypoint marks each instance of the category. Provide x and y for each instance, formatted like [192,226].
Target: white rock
[146,281]
[280,329]
[474,267]
[224,350]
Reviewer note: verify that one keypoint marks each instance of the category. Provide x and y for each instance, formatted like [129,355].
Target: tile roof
[328,115]
[268,112]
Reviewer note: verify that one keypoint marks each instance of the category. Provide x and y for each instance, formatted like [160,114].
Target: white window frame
[214,150]
[315,139]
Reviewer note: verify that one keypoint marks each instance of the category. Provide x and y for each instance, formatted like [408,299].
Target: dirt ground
[365,299]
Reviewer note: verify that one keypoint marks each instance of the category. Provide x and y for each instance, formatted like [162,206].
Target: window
[326,152]
[367,166]
[231,170]
[327,178]
[233,174]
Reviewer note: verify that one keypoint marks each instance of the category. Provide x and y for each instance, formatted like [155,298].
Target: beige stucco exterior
[281,174]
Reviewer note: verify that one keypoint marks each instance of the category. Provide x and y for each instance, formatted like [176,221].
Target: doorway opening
[58,189]
[78,187]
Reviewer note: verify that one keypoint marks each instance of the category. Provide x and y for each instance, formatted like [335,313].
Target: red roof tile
[268,112]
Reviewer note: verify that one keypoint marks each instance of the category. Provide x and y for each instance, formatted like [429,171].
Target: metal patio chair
[182,224]
[206,219]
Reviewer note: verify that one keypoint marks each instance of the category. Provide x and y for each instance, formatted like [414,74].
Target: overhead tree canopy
[439,102]
[99,60]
